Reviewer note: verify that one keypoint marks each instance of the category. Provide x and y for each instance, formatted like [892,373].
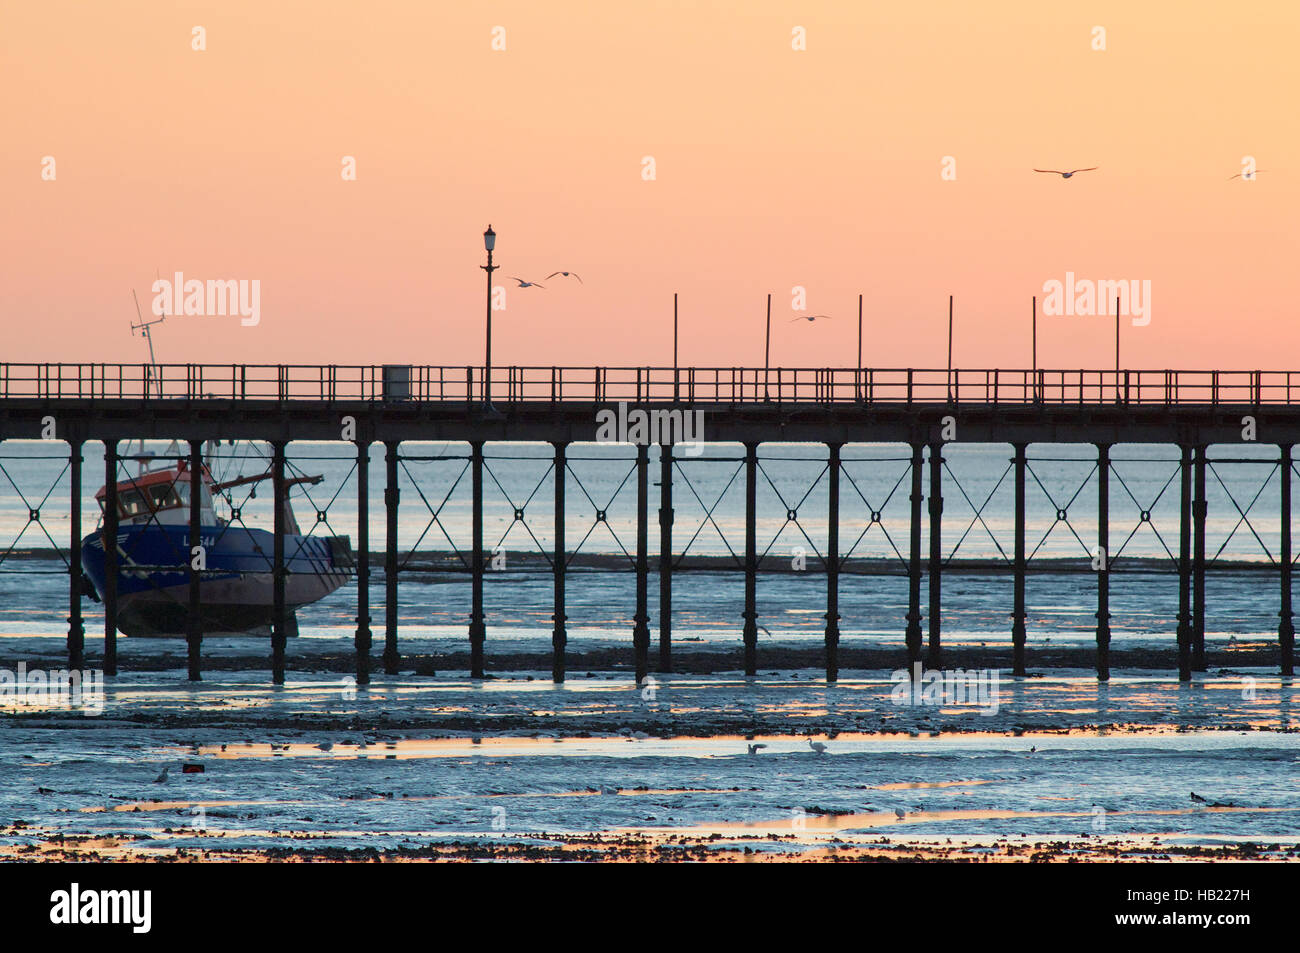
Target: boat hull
[236,591]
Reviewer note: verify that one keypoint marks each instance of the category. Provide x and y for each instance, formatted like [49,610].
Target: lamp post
[489,242]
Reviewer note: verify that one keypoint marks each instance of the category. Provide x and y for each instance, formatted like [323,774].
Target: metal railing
[710,385]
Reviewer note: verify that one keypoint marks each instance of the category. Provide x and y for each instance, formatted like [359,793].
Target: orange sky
[775,168]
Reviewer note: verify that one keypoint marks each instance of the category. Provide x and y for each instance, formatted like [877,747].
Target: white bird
[161,778]
[526,284]
[566,274]
[753,749]
[811,317]
[1066,175]
[817,746]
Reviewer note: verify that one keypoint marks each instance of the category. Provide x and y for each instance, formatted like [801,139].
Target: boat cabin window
[160,496]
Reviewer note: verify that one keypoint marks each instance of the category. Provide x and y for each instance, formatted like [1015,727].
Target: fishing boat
[235,588]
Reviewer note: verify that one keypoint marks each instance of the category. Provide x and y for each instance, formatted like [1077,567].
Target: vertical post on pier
[666,557]
[559,634]
[363,562]
[1018,598]
[76,631]
[391,495]
[1286,627]
[641,621]
[751,559]
[1199,509]
[278,621]
[913,636]
[194,620]
[1103,562]
[936,552]
[110,557]
[477,628]
[1185,567]
[833,566]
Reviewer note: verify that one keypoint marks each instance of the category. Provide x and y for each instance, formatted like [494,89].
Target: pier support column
[913,635]
[1103,562]
[641,621]
[1185,567]
[110,557]
[559,634]
[391,496]
[477,628]
[1018,597]
[751,559]
[278,620]
[363,562]
[76,631]
[1286,627]
[194,617]
[665,557]
[936,553]
[833,566]
[1199,509]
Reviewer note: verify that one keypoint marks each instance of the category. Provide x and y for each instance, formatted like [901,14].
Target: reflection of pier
[920,409]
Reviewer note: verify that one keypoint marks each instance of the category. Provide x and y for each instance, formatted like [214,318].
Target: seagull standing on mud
[161,778]
[1066,175]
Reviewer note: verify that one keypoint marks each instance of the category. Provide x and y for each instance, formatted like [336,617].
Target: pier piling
[936,554]
[833,565]
[1200,507]
[1286,625]
[751,559]
[666,554]
[278,620]
[76,631]
[913,633]
[559,634]
[110,557]
[391,497]
[1185,567]
[363,562]
[477,628]
[194,619]
[641,621]
[1103,562]
[1018,597]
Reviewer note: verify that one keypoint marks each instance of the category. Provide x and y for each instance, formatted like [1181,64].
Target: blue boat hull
[235,589]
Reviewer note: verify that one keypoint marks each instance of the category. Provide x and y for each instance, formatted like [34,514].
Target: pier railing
[726,385]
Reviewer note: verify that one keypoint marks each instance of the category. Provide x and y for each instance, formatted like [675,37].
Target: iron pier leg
[194,621]
[477,629]
[1200,507]
[278,620]
[76,631]
[110,557]
[1286,627]
[665,557]
[391,495]
[833,567]
[751,559]
[936,553]
[913,636]
[1018,598]
[1103,565]
[641,622]
[363,562]
[559,634]
[1185,568]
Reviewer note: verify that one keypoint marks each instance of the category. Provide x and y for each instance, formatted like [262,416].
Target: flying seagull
[566,274]
[817,746]
[1066,175]
[526,284]
[1248,176]
[811,317]
[753,749]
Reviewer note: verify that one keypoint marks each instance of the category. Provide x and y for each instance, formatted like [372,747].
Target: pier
[921,410]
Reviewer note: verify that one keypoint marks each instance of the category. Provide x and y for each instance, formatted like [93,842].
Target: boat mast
[145,329]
